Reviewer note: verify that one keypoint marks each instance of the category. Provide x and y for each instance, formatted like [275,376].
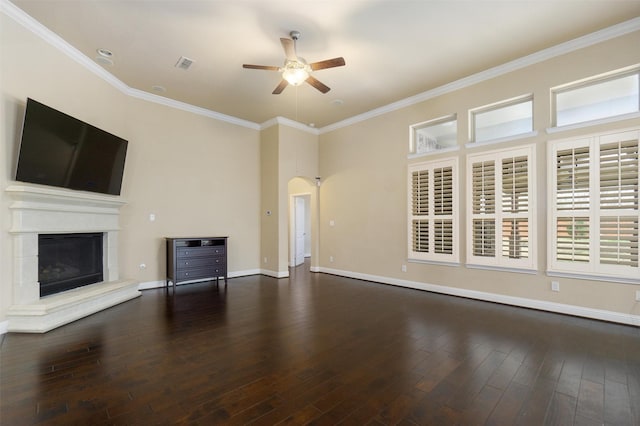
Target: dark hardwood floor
[320,349]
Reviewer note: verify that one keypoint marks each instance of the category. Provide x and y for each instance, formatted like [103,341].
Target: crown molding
[40,30]
[289,123]
[59,43]
[150,97]
[618,30]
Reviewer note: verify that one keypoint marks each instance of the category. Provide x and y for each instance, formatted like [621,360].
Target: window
[502,120]
[500,219]
[434,135]
[598,97]
[593,197]
[433,205]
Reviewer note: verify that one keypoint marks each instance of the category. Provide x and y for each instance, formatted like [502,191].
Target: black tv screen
[59,150]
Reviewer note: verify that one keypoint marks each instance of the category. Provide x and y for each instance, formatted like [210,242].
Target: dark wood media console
[196,259]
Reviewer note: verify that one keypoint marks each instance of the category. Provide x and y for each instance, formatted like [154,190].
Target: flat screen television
[59,150]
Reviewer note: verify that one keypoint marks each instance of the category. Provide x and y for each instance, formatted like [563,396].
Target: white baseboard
[151,284]
[275,274]
[244,273]
[4,325]
[579,311]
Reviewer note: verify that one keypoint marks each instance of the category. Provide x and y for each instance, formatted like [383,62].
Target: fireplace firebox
[68,261]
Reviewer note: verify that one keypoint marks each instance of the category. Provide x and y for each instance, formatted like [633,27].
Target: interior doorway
[299,228]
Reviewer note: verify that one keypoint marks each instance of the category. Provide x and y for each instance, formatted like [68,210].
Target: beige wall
[269,223]
[286,153]
[364,167]
[199,176]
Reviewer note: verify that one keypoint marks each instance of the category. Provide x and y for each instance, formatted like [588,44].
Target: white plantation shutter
[572,239]
[443,236]
[572,171]
[484,187]
[515,207]
[595,206]
[515,238]
[500,218]
[619,175]
[619,241]
[420,237]
[484,205]
[484,237]
[420,209]
[443,208]
[432,221]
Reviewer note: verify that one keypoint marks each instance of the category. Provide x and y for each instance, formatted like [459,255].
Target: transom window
[502,120]
[603,96]
[434,135]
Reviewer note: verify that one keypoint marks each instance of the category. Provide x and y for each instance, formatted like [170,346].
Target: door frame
[292,223]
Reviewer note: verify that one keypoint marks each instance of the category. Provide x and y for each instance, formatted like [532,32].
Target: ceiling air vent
[184,63]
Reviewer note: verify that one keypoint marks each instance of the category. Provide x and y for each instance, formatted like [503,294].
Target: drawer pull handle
[186,263]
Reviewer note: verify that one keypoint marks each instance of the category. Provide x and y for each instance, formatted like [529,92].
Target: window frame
[593,268]
[527,264]
[414,128]
[591,82]
[473,141]
[431,216]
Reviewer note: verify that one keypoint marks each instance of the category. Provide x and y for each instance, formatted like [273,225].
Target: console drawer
[195,262]
[199,251]
[197,273]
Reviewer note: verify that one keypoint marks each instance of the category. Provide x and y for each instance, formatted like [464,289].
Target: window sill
[434,152]
[502,140]
[433,262]
[502,269]
[591,123]
[589,277]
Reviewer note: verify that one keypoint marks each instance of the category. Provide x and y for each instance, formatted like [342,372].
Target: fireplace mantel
[37,209]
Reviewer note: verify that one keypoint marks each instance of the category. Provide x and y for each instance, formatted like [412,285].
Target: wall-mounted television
[59,150]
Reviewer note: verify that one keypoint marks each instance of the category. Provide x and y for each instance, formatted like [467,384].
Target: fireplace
[46,223]
[67,261]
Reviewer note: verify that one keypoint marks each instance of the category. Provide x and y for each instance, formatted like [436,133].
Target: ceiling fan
[295,70]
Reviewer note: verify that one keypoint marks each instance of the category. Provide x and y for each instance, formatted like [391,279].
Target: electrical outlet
[555,286]
[143,266]
[404,268]
[152,217]
[332,222]
[637,295]
[330,258]
[265,259]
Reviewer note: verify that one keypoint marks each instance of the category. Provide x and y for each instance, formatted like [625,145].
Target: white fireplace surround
[39,209]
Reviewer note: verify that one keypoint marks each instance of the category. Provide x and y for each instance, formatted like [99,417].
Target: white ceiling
[393,49]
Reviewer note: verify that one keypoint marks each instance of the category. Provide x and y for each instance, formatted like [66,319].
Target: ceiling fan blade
[329,63]
[317,84]
[280,87]
[289,49]
[261,67]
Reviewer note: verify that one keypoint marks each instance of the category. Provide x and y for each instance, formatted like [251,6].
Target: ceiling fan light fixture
[295,72]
